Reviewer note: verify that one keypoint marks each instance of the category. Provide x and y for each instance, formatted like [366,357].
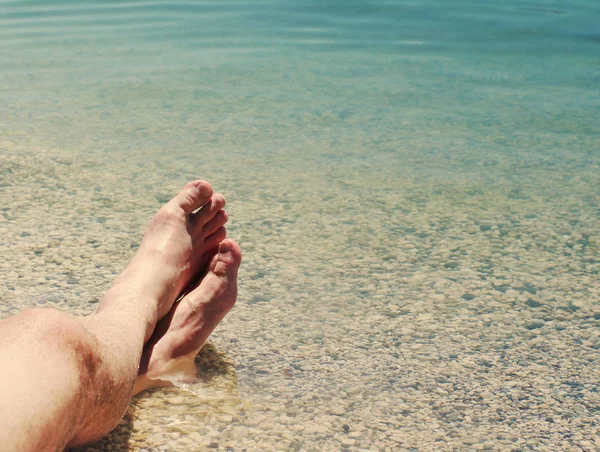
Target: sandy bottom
[381,307]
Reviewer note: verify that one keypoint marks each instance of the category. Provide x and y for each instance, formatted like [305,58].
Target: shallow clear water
[415,186]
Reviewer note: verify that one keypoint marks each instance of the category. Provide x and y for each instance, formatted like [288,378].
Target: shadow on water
[150,411]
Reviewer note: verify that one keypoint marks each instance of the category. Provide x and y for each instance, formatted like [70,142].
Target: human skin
[68,380]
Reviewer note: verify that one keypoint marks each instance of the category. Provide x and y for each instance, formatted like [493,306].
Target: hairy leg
[66,380]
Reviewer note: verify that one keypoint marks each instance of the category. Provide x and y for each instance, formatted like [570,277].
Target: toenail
[204,188]
[224,247]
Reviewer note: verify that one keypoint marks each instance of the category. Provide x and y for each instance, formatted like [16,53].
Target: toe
[218,220]
[193,196]
[209,211]
[215,238]
[227,261]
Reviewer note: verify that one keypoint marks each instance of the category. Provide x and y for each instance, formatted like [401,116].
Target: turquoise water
[415,185]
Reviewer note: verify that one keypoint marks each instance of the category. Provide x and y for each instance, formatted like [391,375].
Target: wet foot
[176,248]
[168,357]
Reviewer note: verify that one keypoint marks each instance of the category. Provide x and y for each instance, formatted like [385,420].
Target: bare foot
[168,356]
[176,248]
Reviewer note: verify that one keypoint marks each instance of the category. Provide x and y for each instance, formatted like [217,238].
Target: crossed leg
[68,380]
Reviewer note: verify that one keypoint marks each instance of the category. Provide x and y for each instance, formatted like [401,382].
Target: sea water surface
[415,186]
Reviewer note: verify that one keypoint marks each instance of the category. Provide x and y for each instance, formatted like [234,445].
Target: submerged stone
[535,324]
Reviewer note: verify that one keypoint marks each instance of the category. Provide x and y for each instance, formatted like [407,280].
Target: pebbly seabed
[409,318]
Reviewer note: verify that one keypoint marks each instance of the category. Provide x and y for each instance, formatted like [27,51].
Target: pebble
[338,411]
[315,429]
[487,396]
[195,437]
[535,324]
[239,432]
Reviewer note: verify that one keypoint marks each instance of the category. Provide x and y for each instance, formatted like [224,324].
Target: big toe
[218,288]
[193,196]
[227,261]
